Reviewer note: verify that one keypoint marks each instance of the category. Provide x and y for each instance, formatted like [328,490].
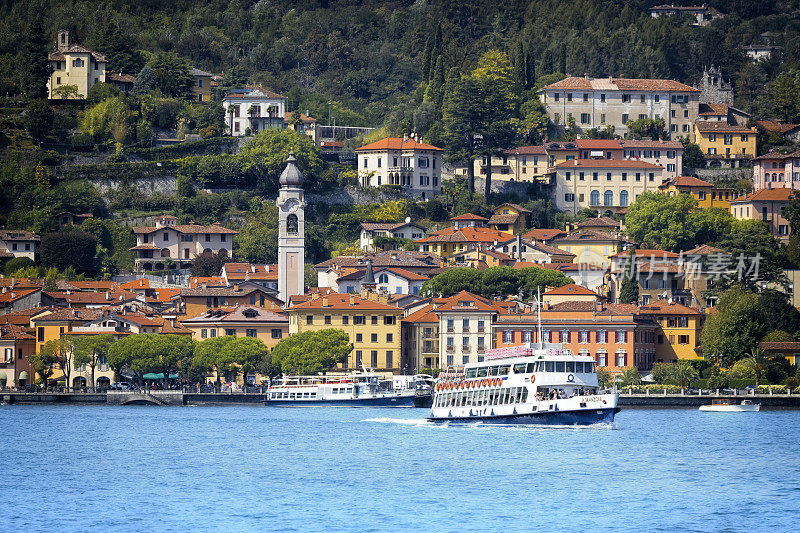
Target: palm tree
[684,373]
[757,359]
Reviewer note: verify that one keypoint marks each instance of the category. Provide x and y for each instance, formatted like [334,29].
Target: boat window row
[478,398]
[578,367]
[292,395]
[342,390]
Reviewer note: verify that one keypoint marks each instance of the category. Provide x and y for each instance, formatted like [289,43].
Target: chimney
[314,296]
[352,299]
[545,306]
[236,287]
[405,137]
[4,289]
[324,301]
[108,296]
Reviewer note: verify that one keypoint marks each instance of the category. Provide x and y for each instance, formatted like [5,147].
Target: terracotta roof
[778,155]
[238,314]
[93,298]
[16,294]
[664,145]
[18,235]
[703,249]
[342,301]
[469,216]
[166,295]
[403,273]
[525,264]
[714,109]
[222,291]
[571,306]
[99,285]
[168,329]
[688,181]
[607,163]
[58,55]
[391,258]
[186,228]
[526,150]
[10,332]
[598,144]
[397,143]
[570,289]
[426,314]
[250,92]
[466,301]
[663,307]
[518,207]
[121,78]
[603,222]
[774,125]
[504,219]
[544,234]
[69,314]
[618,84]
[141,283]
[785,345]
[644,252]
[22,317]
[766,195]
[469,234]
[197,281]
[706,126]
[386,226]
[242,271]
[303,117]
[197,72]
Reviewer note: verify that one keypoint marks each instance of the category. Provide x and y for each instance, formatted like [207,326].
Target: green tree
[38,119]
[43,363]
[792,212]
[499,281]
[149,352]
[645,127]
[684,373]
[778,336]
[661,221]
[90,350]
[784,95]
[629,290]
[629,377]
[106,119]
[751,243]
[74,249]
[172,74]
[757,361]
[452,281]
[257,241]
[117,47]
[230,355]
[731,332]
[662,373]
[604,378]
[209,264]
[61,351]
[101,91]
[145,83]
[33,59]
[692,155]
[312,352]
[18,263]
[264,156]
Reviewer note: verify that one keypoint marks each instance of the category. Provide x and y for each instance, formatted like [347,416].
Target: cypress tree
[426,61]
[33,61]
[520,76]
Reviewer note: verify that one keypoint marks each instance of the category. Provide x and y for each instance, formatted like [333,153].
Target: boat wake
[417,422]
[412,422]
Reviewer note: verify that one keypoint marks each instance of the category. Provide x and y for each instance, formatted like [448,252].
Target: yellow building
[201,85]
[509,218]
[707,194]
[678,331]
[789,350]
[467,234]
[723,144]
[371,323]
[74,65]
[591,246]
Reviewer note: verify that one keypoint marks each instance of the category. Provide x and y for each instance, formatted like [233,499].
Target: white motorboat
[728,406]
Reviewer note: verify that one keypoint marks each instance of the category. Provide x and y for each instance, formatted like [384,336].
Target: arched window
[608,198]
[383,278]
[595,198]
[623,198]
[77,62]
[291,224]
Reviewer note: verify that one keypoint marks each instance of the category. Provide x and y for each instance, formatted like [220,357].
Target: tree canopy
[312,352]
[229,355]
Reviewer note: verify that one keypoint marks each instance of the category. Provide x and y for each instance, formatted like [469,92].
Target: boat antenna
[539,315]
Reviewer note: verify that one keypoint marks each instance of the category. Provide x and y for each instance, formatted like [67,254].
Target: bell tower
[291,232]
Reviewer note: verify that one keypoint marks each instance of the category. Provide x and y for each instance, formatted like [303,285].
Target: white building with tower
[291,232]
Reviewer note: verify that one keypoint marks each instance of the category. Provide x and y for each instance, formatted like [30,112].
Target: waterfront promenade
[174,398]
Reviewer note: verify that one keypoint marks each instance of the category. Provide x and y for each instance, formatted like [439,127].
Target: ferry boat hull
[544,418]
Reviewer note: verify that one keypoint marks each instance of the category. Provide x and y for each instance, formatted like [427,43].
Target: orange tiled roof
[570,289]
[644,143]
[644,252]
[426,314]
[714,109]
[342,301]
[543,234]
[607,163]
[486,235]
[397,143]
[469,216]
[527,150]
[619,84]
[766,195]
[466,301]
[663,307]
[598,144]
[711,126]
[58,55]
[690,181]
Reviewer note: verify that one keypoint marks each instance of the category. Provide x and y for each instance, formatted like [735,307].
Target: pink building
[767,205]
[776,171]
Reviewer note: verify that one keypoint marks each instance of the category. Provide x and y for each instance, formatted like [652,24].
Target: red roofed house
[74,65]
[570,293]
[17,344]
[788,131]
[607,185]
[467,234]
[266,275]
[706,193]
[413,166]
[602,102]
[767,205]
[524,163]
[170,245]
[253,109]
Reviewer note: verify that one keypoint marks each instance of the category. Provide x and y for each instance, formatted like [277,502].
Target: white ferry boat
[343,389]
[540,383]
[728,406]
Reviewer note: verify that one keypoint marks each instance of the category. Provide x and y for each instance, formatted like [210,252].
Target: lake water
[79,468]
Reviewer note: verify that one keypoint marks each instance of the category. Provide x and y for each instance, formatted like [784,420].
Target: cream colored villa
[74,65]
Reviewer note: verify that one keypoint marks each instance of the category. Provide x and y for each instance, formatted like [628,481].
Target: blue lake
[79,468]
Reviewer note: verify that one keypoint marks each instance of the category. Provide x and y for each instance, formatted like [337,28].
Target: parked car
[750,388]
[121,385]
[728,391]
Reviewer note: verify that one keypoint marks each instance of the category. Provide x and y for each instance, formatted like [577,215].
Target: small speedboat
[728,406]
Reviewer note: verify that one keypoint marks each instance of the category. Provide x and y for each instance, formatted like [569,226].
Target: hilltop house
[253,109]
[74,65]
[411,165]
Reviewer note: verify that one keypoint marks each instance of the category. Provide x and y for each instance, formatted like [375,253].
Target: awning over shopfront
[159,376]
[3,376]
[23,374]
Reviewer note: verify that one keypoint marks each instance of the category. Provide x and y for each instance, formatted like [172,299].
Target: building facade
[725,145]
[776,171]
[74,65]
[253,109]
[413,166]
[19,243]
[169,245]
[601,102]
[201,85]
[706,193]
[768,205]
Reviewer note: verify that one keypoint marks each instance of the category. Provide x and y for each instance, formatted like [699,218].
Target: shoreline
[177,398]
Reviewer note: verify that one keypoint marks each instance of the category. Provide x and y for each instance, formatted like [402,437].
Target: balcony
[465,330]
[400,169]
[481,349]
[451,349]
[451,330]
[481,329]
[466,348]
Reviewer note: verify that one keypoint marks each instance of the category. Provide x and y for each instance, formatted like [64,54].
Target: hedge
[214,145]
[117,171]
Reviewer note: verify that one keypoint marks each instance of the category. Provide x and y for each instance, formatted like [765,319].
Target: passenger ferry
[541,383]
[344,389]
[524,384]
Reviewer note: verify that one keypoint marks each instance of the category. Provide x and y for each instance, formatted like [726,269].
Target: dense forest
[360,60]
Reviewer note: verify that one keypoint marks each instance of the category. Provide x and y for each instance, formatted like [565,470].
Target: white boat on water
[728,406]
[542,383]
[343,389]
